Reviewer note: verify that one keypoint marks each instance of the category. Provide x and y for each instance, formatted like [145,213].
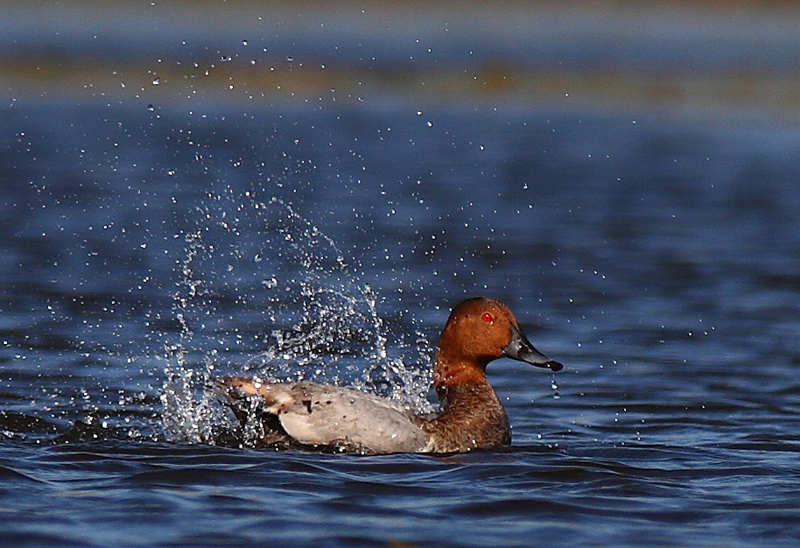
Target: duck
[478,331]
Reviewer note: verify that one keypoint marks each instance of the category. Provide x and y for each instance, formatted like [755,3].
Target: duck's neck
[472,416]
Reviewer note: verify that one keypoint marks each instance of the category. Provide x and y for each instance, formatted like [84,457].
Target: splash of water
[265,293]
[554,388]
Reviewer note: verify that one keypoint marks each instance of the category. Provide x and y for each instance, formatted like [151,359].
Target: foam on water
[264,293]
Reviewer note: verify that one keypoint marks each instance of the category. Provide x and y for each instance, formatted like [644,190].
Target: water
[148,246]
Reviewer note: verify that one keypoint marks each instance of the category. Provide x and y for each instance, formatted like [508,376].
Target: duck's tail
[254,406]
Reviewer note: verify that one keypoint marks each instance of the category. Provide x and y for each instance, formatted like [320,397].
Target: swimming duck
[471,416]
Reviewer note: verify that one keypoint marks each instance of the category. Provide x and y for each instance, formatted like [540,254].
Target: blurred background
[705,58]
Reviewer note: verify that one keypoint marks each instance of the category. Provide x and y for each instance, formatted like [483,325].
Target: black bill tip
[554,365]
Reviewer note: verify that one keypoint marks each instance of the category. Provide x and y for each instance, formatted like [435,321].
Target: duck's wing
[326,415]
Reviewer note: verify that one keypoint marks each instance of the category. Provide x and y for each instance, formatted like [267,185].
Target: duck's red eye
[487,317]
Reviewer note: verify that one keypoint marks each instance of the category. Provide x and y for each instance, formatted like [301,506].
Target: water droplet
[151,108]
[244,43]
[156,81]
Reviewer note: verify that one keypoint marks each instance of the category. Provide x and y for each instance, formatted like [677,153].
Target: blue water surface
[146,247]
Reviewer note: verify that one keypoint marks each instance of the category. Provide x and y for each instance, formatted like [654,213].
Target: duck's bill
[520,348]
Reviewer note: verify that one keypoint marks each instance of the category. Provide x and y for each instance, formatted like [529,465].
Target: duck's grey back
[315,414]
